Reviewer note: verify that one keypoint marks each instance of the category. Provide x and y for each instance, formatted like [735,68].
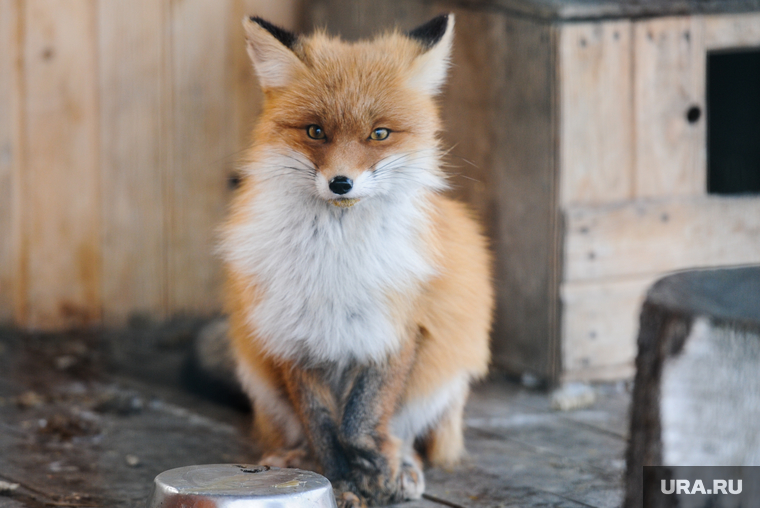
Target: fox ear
[429,68]
[271,50]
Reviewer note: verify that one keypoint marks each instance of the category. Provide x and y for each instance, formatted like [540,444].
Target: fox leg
[350,433]
[412,478]
[276,427]
[444,445]
[381,469]
[433,418]
[317,410]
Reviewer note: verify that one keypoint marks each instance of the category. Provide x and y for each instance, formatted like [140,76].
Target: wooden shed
[587,139]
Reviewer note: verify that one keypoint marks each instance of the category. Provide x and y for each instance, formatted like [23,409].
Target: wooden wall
[519,181]
[121,121]
[634,176]
[120,124]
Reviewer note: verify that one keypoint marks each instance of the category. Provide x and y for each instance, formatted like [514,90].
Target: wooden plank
[468,103]
[10,36]
[203,141]
[599,326]
[357,19]
[248,96]
[732,31]
[523,121]
[652,237]
[596,112]
[132,56]
[670,151]
[568,10]
[61,177]
[510,160]
[468,116]
[519,465]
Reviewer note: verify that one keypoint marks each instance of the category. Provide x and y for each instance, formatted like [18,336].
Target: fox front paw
[299,458]
[411,479]
[345,496]
[378,487]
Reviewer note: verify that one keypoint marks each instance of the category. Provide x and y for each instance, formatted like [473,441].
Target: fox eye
[379,134]
[315,132]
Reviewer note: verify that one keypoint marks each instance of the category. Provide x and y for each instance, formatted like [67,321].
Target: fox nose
[341,185]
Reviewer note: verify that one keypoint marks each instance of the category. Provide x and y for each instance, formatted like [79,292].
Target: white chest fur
[325,274]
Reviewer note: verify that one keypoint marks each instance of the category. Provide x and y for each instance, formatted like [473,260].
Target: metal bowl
[240,486]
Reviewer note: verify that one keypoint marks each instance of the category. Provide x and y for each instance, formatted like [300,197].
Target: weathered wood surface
[60,220]
[10,149]
[693,323]
[669,80]
[467,110]
[599,325]
[533,456]
[523,162]
[613,253]
[200,142]
[596,112]
[602,116]
[120,123]
[654,237]
[503,143]
[68,429]
[362,18]
[133,154]
[569,10]
[731,31]
[521,453]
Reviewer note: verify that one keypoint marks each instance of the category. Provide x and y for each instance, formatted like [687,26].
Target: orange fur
[443,322]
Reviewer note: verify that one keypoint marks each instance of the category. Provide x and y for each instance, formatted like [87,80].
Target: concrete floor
[89,420]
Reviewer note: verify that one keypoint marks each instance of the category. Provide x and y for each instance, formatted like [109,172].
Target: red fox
[360,297]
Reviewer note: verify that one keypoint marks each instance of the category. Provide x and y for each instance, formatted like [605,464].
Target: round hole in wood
[693,114]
